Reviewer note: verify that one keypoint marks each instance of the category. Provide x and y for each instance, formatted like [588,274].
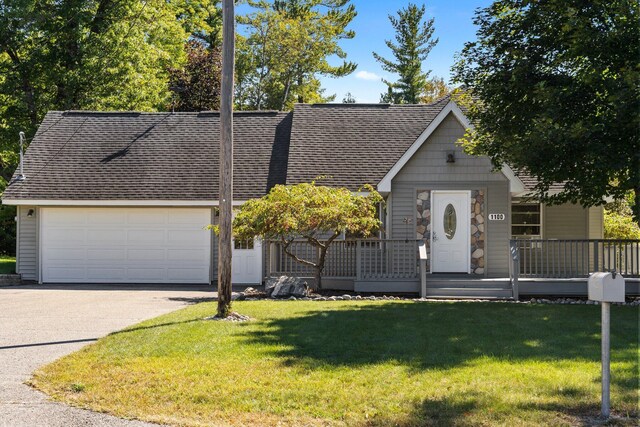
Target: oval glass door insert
[450,221]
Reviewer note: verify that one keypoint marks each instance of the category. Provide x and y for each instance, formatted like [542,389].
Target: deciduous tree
[308,211]
[196,86]
[556,86]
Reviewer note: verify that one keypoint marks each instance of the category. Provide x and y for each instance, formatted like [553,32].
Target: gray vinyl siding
[567,221]
[27,246]
[429,164]
[596,222]
[427,169]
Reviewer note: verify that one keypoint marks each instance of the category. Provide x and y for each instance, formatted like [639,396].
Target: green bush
[7,230]
[618,221]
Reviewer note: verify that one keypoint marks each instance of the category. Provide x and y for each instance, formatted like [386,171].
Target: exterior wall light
[31,213]
[451,157]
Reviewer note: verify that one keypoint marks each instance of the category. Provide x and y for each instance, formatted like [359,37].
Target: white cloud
[367,75]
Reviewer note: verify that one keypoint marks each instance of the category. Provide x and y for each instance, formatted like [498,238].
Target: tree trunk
[226,162]
[318,279]
[636,205]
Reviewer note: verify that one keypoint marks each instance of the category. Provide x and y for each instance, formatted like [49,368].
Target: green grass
[7,264]
[358,364]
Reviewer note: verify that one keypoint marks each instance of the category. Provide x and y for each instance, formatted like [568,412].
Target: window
[243,244]
[449,221]
[526,220]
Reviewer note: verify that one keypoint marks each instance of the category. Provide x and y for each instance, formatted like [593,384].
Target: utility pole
[226,159]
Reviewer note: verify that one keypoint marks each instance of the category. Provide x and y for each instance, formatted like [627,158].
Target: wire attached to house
[61,148]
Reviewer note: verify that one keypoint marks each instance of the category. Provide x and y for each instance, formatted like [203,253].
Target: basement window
[526,220]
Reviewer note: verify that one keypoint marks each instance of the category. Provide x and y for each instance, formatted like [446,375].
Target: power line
[61,148]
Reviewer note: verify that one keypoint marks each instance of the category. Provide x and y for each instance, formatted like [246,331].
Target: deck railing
[340,260]
[358,259]
[387,259]
[550,258]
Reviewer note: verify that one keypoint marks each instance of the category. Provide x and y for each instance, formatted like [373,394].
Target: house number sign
[497,217]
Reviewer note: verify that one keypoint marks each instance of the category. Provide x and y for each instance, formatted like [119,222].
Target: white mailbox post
[606,288]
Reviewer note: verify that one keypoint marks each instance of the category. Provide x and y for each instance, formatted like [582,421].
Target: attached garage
[125,245]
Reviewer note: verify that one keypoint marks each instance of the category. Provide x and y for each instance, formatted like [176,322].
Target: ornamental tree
[314,213]
[555,86]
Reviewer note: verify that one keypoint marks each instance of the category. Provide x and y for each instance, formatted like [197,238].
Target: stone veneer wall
[423,221]
[478,233]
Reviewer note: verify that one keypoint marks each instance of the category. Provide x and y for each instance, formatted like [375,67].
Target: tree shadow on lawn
[440,336]
[444,335]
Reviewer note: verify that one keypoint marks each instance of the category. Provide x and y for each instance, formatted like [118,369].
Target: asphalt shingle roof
[82,155]
[150,156]
[353,144]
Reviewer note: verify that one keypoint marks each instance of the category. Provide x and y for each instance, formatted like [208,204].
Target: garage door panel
[154,275]
[188,256]
[125,245]
[186,217]
[66,236]
[105,274]
[65,254]
[147,217]
[146,237]
[106,255]
[108,217]
[61,216]
[66,274]
[146,254]
[100,236]
[188,237]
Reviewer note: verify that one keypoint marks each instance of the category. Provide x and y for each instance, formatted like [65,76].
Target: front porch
[537,267]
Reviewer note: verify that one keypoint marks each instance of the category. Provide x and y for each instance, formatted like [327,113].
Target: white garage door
[125,245]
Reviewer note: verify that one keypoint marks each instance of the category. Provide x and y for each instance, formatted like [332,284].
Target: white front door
[247,262]
[450,236]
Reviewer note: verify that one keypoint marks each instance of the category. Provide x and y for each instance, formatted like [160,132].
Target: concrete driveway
[39,324]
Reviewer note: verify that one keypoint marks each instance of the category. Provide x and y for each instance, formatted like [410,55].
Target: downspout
[21,176]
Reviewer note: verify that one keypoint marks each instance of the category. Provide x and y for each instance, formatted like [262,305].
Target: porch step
[469,284]
[469,292]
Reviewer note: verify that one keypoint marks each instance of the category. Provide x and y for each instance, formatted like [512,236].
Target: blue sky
[453,25]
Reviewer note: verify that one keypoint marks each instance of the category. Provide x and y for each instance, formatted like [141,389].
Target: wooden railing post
[514,267]
[358,259]
[267,264]
[422,250]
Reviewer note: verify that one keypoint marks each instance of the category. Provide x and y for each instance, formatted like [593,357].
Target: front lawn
[7,264]
[357,363]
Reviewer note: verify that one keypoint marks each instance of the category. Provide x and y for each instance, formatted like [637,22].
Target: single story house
[123,197]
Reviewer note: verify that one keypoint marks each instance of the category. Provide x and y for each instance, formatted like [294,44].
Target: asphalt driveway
[39,324]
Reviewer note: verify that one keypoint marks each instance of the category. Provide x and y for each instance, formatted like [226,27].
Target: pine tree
[413,42]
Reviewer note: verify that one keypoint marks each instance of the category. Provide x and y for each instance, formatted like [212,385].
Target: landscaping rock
[238,296]
[10,279]
[232,317]
[285,286]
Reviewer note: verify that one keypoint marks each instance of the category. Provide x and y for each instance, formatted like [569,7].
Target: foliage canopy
[556,91]
[287,45]
[315,213]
